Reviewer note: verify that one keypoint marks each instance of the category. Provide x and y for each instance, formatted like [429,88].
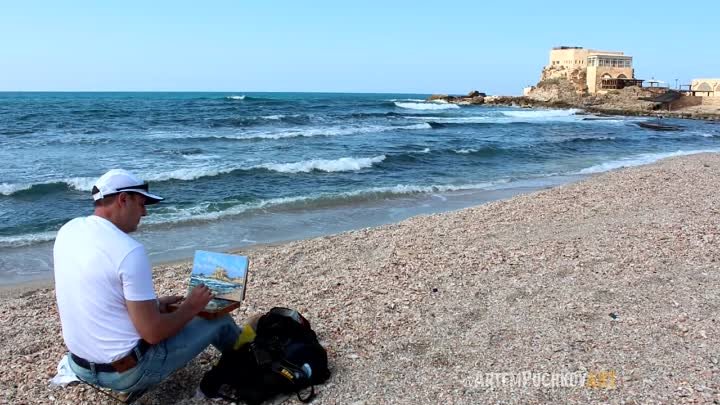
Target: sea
[240,168]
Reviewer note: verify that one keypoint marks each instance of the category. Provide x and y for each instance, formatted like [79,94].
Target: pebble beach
[615,276]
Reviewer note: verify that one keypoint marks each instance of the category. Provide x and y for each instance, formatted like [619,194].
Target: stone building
[708,89]
[590,70]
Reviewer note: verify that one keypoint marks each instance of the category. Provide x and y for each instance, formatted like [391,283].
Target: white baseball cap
[117,181]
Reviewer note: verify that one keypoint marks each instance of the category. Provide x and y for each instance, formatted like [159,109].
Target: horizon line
[212,91]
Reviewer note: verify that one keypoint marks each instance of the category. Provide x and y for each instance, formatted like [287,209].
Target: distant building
[602,70]
[708,89]
[705,87]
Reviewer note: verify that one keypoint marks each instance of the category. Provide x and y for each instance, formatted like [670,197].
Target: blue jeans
[160,360]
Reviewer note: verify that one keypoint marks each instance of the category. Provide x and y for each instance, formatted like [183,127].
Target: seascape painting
[224,274]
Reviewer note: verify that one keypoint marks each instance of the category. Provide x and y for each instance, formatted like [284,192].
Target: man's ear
[122,199]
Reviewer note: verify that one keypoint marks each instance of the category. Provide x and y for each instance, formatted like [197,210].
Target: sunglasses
[145,187]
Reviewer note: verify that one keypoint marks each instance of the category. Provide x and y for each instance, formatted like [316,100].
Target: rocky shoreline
[626,102]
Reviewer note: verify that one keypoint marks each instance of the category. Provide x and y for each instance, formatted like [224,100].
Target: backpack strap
[310,396]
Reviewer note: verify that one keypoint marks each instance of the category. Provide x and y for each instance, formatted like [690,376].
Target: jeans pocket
[123,382]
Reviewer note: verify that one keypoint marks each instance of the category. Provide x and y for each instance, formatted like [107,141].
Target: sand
[615,276]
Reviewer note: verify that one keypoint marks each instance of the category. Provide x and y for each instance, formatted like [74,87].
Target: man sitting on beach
[119,335]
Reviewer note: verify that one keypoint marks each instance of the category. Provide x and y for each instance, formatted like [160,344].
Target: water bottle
[307,370]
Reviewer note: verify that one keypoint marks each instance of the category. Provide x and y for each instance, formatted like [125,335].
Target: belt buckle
[124,364]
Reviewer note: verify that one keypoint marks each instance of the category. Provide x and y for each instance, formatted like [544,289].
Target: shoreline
[524,102]
[21,288]
[616,273]
[418,205]
[609,108]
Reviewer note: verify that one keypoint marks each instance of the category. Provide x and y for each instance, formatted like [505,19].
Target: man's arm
[165,302]
[154,326]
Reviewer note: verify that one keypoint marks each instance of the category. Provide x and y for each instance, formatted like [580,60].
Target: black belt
[117,366]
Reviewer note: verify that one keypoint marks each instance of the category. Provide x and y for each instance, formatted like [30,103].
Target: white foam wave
[412,100]
[465,151]
[332,131]
[507,119]
[541,113]
[346,164]
[235,97]
[200,157]
[10,188]
[413,189]
[639,160]
[188,173]
[426,106]
[454,120]
[426,150]
[77,183]
[26,239]
[81,183]
[200,212]
[209,170]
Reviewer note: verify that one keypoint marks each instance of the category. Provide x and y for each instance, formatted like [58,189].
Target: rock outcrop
[473,97]
[565,88]
[556,90]
[575,77]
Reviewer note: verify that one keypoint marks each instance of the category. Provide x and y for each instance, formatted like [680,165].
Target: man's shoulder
[100,231]
[72,227]
[71,224]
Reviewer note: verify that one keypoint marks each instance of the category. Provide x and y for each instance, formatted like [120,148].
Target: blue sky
[335,46]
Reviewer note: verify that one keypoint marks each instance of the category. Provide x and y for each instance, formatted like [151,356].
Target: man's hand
[198,299]
[166,301]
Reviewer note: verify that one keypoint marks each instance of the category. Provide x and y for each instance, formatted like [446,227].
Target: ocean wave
[81,183]
[205,212]
[193,173]
[277,117]
[257,100]
[10,188]
[249,121]
[407,100]
[345,164]
[44,187]
[199,156]
[465,151]
[540,113]
[26,239]
[311,132]
[187,173]
[441,122]
[639,160]
[426,106]
[390,114]
[588,139]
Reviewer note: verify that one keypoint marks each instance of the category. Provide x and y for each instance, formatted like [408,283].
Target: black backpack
[285,357]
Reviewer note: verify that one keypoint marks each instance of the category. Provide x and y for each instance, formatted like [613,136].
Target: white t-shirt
[97,268]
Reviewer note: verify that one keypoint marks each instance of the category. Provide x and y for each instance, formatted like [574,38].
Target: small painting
[224,274]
